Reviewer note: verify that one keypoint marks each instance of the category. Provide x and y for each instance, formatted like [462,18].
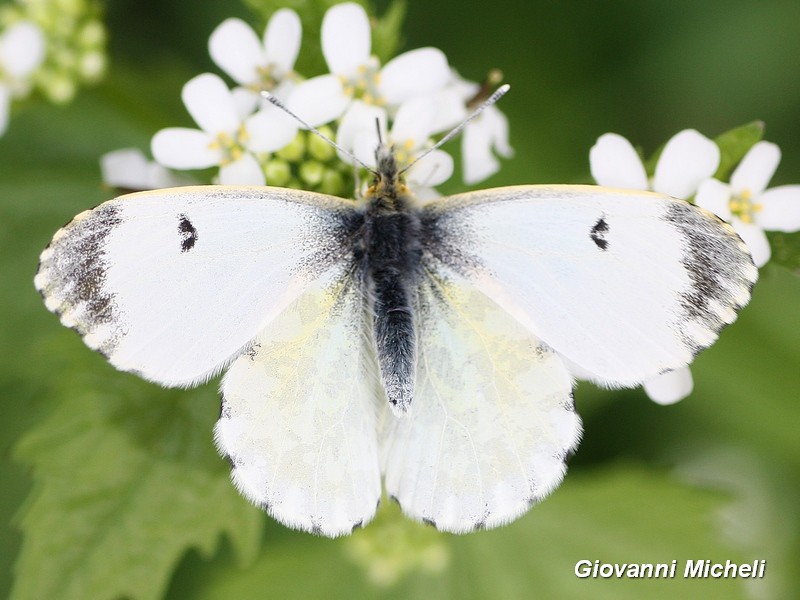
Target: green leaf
[126,481]
[785,250]
[620,514]
[734,144]
[388,31]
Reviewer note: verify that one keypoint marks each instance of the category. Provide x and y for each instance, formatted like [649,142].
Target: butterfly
[425,348]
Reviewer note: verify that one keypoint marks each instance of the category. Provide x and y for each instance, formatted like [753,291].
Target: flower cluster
[413,98]
[686,169]
[74,39]
[21,53]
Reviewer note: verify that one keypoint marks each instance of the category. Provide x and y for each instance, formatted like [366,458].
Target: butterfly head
[388,178]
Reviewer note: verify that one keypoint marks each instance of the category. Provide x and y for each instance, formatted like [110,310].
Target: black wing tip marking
[717,261]
[80,282]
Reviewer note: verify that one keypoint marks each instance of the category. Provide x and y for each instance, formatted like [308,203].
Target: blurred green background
[116,482]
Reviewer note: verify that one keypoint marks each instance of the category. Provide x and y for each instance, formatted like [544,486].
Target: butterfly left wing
[624,284]
[173,284]
[492,420]
[298,419]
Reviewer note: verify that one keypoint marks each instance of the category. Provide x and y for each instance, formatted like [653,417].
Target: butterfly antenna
[275,102]
[457,129]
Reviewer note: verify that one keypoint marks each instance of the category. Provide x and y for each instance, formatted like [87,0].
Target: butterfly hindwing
[298,419]
[624,284]
[173,284]
[492,420]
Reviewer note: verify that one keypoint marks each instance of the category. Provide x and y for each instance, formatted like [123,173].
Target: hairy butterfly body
[423,346]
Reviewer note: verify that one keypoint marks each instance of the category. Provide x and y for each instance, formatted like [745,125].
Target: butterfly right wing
[625,284]
[492,420]
[173,284]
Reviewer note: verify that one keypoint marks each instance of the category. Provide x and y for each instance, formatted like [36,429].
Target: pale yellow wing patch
[298,419]
[492,420]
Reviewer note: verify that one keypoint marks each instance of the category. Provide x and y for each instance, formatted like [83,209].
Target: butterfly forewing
[173,284]
[624,284]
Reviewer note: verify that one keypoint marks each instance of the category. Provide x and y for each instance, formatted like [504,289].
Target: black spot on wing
[598,233]
[187,232]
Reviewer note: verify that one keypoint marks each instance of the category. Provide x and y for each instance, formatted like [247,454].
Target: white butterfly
[425,345]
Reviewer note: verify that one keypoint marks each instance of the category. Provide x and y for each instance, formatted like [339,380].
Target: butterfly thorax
[390,265]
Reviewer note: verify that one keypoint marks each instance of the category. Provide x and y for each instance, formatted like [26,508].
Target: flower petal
[670,387]
[245,101]
[211,104]
[125,168]
[497,123]
[688,159]
[318,100]
[236,49]
[450,110]
[413,123]
[433,170]
[477,159]
[615,163]
[484,134]
[415,73]
[780,209]
[282,40]
[756,169]
[182,148]
[715,196]
[363,146]
[22,48]
[424,195]
[346,38]
[245,171]
[357,131]
[128,168]
[5,108]
[756,241]
[270,129]
[284,89]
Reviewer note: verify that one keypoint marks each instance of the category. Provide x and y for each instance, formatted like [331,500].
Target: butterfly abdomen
[391,262]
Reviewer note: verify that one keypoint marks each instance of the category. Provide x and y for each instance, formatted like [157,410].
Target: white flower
[483,137]
[22,50]
[409,136]
[749,206]
[355,74]
[129,169]
[255,64]
[670,387]
[688,159]
[226,137]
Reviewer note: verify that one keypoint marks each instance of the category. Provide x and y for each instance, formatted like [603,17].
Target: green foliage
[127,482]
[126,496]
[785,250]
[734,144]
[622,514]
